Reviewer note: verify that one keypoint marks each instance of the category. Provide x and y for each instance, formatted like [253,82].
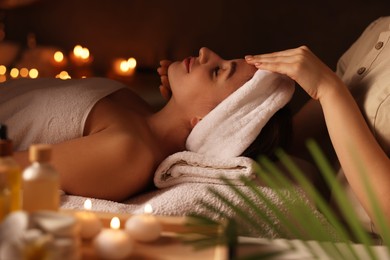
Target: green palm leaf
[298,219]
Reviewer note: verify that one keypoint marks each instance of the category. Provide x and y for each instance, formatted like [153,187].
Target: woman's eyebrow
[232,69]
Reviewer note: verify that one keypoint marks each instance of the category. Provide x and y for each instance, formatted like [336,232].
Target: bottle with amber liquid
[10,170]
[5,195]
[40,181]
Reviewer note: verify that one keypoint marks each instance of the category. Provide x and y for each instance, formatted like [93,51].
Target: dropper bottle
[40,181]
[10,170]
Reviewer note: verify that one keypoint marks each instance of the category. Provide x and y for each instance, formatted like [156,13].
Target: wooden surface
[167,247]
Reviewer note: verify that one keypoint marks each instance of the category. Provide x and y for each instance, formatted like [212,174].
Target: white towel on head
[235,123]
[183,167]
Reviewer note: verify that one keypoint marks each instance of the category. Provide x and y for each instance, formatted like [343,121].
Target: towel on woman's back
[49,110]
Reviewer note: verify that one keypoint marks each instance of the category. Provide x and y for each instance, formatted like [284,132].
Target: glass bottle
[5,194]
[11,169]
[40,181]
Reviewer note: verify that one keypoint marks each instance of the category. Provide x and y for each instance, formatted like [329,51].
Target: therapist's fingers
[286,56]
[283,53]
[165,62]
[165,81]
[165,92]
[302,66]
[163,69]
[165,87]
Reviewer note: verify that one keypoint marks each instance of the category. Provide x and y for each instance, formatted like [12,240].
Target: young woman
[365,67]
[107,142]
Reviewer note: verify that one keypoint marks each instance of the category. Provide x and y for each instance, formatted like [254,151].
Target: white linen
[235,123]
[49,110]
[194,167]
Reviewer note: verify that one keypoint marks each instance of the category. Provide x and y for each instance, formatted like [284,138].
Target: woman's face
[200,83]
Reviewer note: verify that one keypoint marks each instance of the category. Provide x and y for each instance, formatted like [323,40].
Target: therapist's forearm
[356,146]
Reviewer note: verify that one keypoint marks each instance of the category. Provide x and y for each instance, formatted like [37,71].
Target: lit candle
[144,227]
[80,55]
[63,75]
[113,243]
[59,59]
[23,72]
[123,67]
[33,73]
[14,73]
[3,69]
[90,225]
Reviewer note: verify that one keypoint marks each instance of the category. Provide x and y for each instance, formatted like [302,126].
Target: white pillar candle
[113,243]
[90,224]
[145,227]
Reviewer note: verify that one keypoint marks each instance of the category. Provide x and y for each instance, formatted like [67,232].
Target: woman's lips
[188,63]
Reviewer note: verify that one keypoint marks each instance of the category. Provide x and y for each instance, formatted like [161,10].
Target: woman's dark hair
[275,134]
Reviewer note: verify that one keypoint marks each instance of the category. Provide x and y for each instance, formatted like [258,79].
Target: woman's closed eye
[216,71]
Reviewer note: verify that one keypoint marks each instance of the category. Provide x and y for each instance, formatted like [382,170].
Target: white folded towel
[235,123]
[193,167]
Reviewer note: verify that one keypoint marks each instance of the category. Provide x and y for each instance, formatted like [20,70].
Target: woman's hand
[301,65]
[165,88]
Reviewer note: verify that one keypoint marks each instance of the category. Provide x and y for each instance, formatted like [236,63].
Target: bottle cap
[3,132]
[5,143]
[40,153]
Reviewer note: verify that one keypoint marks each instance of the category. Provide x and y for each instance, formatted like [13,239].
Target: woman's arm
[351,138]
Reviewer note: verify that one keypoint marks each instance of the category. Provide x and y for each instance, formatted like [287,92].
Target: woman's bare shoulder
[120,109]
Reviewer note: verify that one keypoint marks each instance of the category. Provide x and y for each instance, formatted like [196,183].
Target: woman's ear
[194,121]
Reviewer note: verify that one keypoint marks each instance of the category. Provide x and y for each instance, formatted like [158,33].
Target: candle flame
[3,69]
[63,75]
[148,209]
[77,50]
[33,73]
[132,63]
[23,72]
[14,72]
[115,223]
[58,56]
[88,204]
[124,66]
[84,54]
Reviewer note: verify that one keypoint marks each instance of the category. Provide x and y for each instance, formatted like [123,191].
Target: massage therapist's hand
[301,65]
[165,88]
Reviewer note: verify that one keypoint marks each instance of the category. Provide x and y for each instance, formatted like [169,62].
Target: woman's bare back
[116,157]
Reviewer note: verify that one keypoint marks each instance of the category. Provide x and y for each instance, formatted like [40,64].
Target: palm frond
[292,216]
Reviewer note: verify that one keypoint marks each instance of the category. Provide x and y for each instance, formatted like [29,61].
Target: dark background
[151,30]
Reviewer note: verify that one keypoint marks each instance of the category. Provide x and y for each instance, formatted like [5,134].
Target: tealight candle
[144,227]
[90,225]
[113,243]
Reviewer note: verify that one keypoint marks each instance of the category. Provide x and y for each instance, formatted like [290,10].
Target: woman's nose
[204,54]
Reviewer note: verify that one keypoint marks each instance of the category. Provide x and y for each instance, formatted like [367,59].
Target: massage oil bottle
[40,181]
[5,196]
[11,172]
